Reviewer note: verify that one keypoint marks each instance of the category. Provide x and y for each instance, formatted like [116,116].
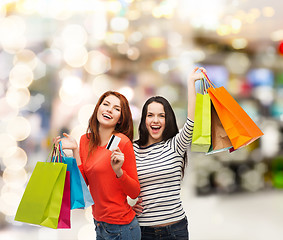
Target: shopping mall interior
[58,56]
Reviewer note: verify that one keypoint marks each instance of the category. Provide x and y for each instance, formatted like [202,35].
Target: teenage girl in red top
[111,176]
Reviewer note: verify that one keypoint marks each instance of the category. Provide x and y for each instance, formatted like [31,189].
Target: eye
[118,109]
[162,115]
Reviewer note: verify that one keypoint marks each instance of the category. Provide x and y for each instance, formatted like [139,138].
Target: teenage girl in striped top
[161,158]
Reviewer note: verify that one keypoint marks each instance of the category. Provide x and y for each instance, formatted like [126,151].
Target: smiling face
[109,112]
[155,122]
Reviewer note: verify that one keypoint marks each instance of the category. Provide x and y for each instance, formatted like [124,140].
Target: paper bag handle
[211,84]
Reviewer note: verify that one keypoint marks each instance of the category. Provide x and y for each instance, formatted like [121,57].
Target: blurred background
[58,56]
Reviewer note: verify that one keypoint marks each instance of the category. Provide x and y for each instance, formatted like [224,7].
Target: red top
[110,193]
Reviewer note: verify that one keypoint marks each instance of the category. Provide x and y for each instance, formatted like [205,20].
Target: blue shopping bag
[87,196]
[77,196]
[80,195]
[76,191]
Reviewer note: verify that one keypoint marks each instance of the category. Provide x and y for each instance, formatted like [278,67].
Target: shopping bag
[76,192]
[87,196]
[41,201]
[77,197]
[201,139]
[80,195]
[65,212]
[219,139]
[239,127]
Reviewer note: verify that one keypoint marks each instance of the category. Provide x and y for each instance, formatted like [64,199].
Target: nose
[155,119]
[109,109]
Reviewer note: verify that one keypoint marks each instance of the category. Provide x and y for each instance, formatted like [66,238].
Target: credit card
[113,142]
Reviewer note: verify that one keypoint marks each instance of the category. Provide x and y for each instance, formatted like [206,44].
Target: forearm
[191,99]
[76,155]
[130,186]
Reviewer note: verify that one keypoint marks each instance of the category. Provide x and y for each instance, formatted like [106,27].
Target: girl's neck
[150,142]
[105,134]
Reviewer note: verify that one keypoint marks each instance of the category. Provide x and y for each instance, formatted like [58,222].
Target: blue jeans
[177,231]
[106,231]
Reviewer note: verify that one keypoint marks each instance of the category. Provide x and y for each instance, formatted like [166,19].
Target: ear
[119,121]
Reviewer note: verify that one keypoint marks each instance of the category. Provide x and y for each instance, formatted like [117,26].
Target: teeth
[107,116]
[155,127]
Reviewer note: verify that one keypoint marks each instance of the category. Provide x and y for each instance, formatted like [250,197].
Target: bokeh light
[15,177]
[74,34]
[26,57]
[19,128]
[15,159]
[12,29]
[75,55]
[7,142]
[70,91]
[17,97]
[21,76]
[101,84]
[127,92]
[97,63]
[119,24]
[85,113]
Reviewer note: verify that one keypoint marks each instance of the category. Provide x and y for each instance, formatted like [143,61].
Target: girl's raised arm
[194,76]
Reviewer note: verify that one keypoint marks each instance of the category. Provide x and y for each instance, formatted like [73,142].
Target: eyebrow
[114,105]
[157,113]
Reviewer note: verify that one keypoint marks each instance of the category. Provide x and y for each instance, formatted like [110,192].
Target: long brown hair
[124,125]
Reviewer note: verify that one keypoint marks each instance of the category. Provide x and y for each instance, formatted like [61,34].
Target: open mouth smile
[155,129]
[107,116]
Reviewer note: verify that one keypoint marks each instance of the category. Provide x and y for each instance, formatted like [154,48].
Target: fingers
[195,75]
[117,157]
[195,69]
[117,153]
[66,135]
[117,149]
[202,69]
[56,140]
[139,201]
[198,75]
[138,208]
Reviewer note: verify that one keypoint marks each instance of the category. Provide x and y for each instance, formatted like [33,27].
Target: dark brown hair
[171,128]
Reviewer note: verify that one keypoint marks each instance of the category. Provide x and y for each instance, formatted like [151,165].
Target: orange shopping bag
[240,128]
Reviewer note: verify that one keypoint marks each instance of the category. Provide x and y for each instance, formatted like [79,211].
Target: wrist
[192,80]
[119,173]
[75,150]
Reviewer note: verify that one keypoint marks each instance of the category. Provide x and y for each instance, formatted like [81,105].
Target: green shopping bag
[41,201]
[201,139]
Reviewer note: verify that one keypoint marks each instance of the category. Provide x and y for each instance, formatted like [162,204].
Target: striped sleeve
[184,138]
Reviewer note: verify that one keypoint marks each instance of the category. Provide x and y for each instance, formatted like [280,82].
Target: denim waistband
[164,228]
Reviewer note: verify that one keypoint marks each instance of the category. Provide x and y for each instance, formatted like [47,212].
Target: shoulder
[84,139]
[124,140]
[135,144]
